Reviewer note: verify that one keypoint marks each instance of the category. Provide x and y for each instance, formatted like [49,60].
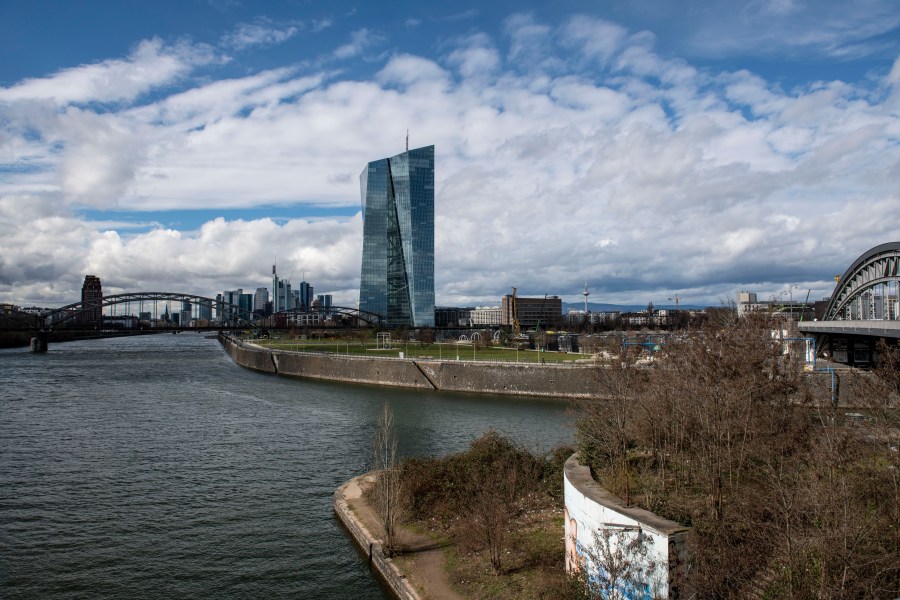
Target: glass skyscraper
[397,279]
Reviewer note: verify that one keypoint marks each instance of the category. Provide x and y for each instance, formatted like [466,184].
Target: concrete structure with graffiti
[625,551]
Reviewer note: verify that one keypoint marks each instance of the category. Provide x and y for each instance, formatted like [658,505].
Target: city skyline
[648,151]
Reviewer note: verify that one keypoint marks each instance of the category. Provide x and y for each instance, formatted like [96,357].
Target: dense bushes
[475,496]
[722,433]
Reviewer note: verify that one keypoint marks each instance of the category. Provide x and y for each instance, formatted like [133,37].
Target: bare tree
[720,434]
[604,433]
[387,483]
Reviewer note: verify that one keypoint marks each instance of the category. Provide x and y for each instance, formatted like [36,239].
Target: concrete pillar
[39,342]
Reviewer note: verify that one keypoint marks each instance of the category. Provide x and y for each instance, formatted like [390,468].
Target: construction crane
[517,329]
[805,303]
[677,300]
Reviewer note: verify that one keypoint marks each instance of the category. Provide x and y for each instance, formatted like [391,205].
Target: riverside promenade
[416,574]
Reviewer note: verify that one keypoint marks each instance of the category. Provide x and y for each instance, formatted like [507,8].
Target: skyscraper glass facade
[397,278]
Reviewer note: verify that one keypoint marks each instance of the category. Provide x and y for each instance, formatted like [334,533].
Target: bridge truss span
[168,310]
[870,288]
[156,308]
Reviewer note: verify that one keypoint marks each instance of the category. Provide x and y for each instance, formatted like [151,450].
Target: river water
[156,467]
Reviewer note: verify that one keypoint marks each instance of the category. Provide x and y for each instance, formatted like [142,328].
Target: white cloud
[321,25]
[263,33]
[529,42]
[791,29]
[476,58]
[893,77]
[360,41]
[150,65]
[586,155]
[100,159]
[595,39]
[408,70]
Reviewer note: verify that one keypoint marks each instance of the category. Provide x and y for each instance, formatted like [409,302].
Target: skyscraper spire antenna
[407,140]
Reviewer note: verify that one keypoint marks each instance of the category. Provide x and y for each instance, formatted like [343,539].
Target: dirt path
[422,559]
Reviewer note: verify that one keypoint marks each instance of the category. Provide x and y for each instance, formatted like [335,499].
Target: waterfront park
[463,351]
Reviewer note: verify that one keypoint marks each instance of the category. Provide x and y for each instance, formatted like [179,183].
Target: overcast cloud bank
[565,153]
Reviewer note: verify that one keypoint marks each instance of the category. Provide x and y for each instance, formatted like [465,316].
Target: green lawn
[445,351]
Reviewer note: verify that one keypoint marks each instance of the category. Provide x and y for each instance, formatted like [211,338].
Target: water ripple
[155,467]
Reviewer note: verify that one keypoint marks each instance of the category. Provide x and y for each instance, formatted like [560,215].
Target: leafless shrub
[386,492]
[719,434]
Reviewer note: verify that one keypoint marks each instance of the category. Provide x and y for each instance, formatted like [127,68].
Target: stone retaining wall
[456,376]
[248,355]
[400,373]
[383,566]
[516,379]
[578,381]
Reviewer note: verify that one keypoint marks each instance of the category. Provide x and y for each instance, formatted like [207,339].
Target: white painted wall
[587,512]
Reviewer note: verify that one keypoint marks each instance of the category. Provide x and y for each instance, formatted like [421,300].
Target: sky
[646,148]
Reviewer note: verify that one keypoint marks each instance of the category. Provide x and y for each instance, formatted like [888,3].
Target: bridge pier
[39,342]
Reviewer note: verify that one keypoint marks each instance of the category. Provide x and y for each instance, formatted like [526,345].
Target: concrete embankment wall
[379,371]
[367,542]
[517,379]
[248,355]
[456,376]
[482,377]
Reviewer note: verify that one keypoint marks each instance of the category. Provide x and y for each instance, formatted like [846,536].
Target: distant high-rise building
[245,301]
[397,275]
[238,305]
[204,310]
[92,301]
[282,297]
[185,314]
[305,295]
[260,300]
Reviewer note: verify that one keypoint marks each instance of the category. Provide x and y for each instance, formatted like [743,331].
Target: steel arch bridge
[79,313]
[82,314]
[863,309]
[870,288]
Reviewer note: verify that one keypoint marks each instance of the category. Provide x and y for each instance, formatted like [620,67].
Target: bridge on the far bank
[864,308]
[163,312]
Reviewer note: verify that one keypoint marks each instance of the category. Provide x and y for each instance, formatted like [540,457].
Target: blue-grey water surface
[156,467]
